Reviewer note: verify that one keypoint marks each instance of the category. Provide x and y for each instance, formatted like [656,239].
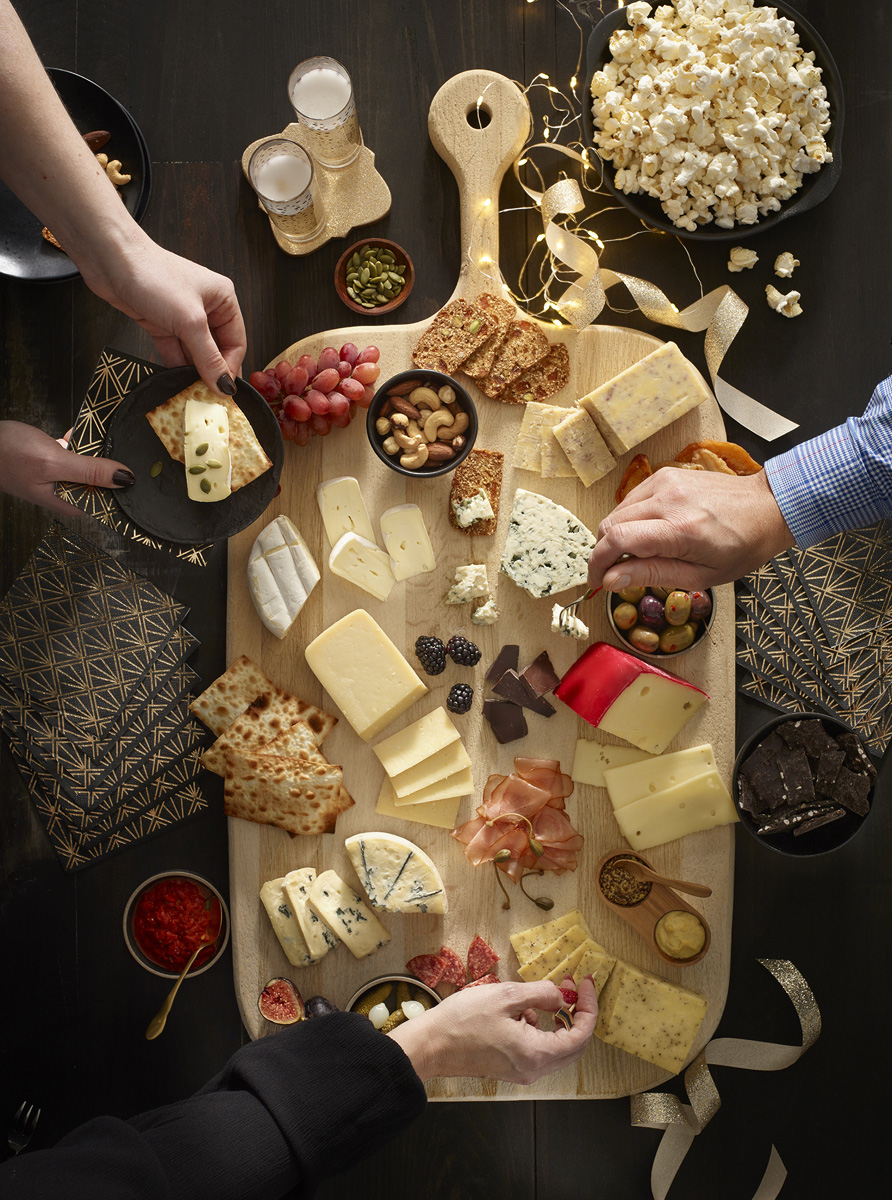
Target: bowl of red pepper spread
[168,916]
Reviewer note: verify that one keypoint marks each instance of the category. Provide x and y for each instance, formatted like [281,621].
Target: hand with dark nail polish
[31,463]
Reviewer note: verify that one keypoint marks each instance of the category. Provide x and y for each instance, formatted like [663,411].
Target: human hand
[31,462]
[688,529]
[492,1032]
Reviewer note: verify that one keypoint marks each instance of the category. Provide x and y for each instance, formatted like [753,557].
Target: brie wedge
[281,575]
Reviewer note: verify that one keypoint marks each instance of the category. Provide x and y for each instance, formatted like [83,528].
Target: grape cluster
[318,394]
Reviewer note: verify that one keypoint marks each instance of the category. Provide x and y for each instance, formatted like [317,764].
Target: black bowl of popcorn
[657,132]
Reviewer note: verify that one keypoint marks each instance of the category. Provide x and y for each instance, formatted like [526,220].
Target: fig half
[281,1002]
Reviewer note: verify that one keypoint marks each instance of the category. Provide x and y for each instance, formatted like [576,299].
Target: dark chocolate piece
[856,756]
[828,768]
[817,822]
[507,659]
[789,818]
[541,675]
[810,736]
[748,799]
[796,774]
[852,790]
[505,719]
[517,689]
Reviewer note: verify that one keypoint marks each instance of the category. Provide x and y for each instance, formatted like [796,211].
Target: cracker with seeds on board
[503,312]
[270,715]
[481,470]
[543,379]
[295,794]
[524,344]
[454,334]
[249,459]
[230,694]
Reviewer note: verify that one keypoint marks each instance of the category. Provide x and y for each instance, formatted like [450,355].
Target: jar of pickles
[656,621]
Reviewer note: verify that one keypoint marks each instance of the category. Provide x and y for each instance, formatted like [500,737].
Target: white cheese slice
[281,575]
[441,814]
[555,463]
[635,780]
[592,759]
[343,509]
[547,548]
[364,564]
[690,807]
[206,450]
[417,742]
[434,769]
[587,452]
[528,447]
[284,923]
[459,783]
[317,935]
[346,915]
[396,875]
[407,541]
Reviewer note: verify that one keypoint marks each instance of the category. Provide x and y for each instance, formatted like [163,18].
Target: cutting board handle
[479,158]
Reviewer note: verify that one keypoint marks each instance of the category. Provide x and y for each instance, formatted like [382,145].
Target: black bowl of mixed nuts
[660,622]
[421,423]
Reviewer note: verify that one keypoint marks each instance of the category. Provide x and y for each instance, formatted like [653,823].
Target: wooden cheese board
[478,159]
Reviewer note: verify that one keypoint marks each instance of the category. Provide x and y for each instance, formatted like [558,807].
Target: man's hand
[688,529]
[31,463]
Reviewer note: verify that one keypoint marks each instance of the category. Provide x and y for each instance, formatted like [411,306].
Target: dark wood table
[204,81]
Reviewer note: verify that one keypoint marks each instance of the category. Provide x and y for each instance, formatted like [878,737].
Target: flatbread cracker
[543,379]
[301,740]
[524,344]
[294,794]
[454,334]
[230,694]
[249,459]
[273,713]
[503,312]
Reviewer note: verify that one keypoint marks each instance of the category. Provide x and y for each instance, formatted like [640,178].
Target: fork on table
[22,1126]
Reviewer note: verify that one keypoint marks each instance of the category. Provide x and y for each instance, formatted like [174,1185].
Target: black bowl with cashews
[421,423]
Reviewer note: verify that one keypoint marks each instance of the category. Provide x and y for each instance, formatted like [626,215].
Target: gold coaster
[351,196]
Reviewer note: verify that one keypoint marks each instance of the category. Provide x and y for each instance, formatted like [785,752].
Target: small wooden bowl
[402,260]
[644,915]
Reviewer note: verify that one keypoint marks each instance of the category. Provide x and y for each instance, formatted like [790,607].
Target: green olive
[631,594]
[673,640]
[660,592]
[625,615]
[644,639]
[678,607]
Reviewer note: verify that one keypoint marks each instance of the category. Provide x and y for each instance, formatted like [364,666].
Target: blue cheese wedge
[396,875]
[284,923]
[547,547]
[317,935]
[206,449]
[364,564]
[281,575]
[346,915]
[407,541]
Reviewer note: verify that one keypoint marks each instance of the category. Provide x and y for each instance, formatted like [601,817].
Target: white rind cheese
[284,923]
[547,547]
[343,509]
[317,935]
[206,451]
[281,575]
[346,915]
[396,875]
[407,541]
[364,564]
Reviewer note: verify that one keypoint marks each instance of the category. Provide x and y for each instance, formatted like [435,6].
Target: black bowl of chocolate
[803,784]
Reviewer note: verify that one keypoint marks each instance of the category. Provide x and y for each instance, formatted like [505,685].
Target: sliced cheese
[554,955]
[555,464]
[284,923]
[649,1017]
[316,933]
[434,769]
[281,575]
[586,451]
[346,915]
[407,541]
[690,807]
[396,875]
[593,953]
[364,564]
[530,942]
[459,783]
[343,509]
[633,781]
[206,451]
[416,742]
[528,447]
[441,814]
[364,673]
[592,759]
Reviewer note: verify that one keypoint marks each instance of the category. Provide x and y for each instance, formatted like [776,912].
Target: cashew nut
[418,459]
[382,425]
[408,443]
[424,397]
[414,429]
[390,446]
[102,159]
[399,421]
[460,425]
[113,171]
[437,421]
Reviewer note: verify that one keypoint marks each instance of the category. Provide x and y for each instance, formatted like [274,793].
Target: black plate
[161,506]
[24,254]
[814,189]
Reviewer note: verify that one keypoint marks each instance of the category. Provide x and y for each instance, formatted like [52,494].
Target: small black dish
[825,838]
[24,253]
[435,380]
[815,188]
[161,506]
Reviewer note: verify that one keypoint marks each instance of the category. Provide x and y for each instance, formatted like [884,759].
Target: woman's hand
[492,1032]
[31,463]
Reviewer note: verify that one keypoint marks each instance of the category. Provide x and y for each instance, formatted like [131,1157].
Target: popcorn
[787,306]
[711,107]
[742,259]
[785,264]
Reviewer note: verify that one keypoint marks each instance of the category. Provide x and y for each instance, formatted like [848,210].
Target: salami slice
[481,958]
[483,979]
[455,968]
[428,968]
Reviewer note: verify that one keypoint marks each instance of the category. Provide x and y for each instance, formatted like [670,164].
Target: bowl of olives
[660,622]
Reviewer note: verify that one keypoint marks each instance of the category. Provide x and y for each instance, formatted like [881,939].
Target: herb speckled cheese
[530,942]
[397,875]
[649,1017]
[587,452]
[346,915]
[554,955]
[555,463]
[547,547]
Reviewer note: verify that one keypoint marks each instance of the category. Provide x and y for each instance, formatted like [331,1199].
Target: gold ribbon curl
[682,1122]
[721,312]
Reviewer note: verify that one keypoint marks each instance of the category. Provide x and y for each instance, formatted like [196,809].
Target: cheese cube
[439,766]
[555,463]
[586,451]
[363,563]
[397,875]
[645,398]
[346,915]
[634,781]
[417,742]
[628,698]
[592,759]
[649,1017]
[284,923]
[530,942]
[364,673]
[407,542]
[343,509]
[690,807]
[206,451]
[441,814]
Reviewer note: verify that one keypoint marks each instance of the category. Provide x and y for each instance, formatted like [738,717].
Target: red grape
[267,385]
[317,401]
[366,372]
[344,368]
[320,425]
[342,421]
[281,369]
[351,388]
[338,405]
[326,381]
[296,408]
[371,354]
[295,382]
[302,434]
[349,353]
[289,428]
[367,397]
[309,365]
[328,358]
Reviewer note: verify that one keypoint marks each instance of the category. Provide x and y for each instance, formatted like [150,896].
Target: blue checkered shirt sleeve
[841,479]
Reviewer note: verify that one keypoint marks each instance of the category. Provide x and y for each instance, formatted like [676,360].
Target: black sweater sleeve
[283,1113]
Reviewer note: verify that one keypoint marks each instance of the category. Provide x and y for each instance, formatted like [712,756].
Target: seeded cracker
[480,362]
[455,333]
[543,379]
[524,344]
[482,469]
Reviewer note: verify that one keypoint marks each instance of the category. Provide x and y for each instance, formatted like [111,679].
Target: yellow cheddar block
[690,807]
[553,956]
[530,942]
[649,1017]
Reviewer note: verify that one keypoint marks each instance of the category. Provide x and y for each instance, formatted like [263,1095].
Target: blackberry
[463,652]
[460,698]
[431,654]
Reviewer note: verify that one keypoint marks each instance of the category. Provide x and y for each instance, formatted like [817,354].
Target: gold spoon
[159,1020]
[640,871]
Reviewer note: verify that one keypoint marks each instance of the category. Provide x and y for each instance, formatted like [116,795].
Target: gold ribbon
[682,1122]
[721,313]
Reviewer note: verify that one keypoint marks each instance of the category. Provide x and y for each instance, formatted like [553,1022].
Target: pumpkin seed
[205,485]
[202,449]
[396,278]
[197,470]
[214,465]
[364,276]
[156,470]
